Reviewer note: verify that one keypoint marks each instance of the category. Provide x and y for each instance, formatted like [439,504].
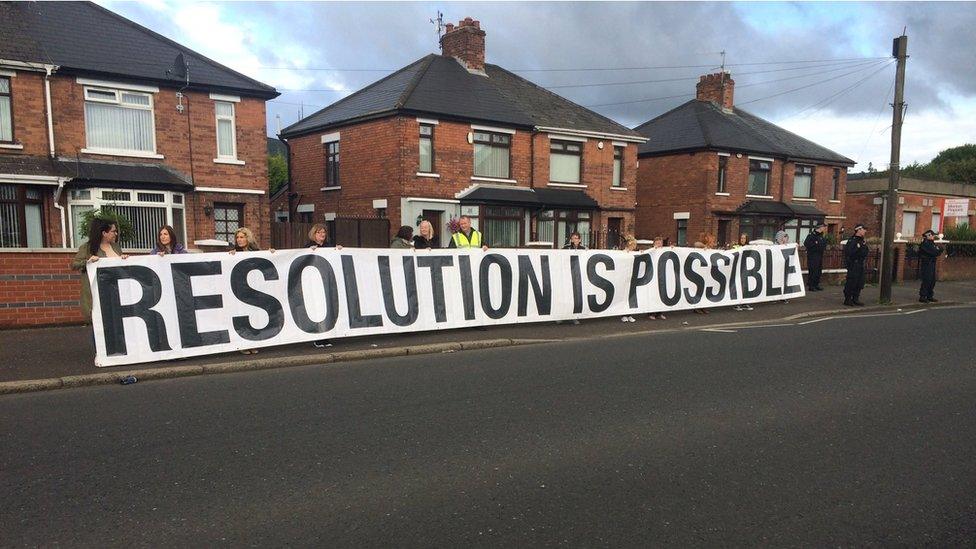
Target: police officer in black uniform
[928,252]
[855,252]
[815,243]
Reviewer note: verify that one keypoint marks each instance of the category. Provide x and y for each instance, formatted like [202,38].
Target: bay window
[21,219]
[502,225]
[492,154]
[226,130]
[565,161]
[147,210]
[759,177]
[6,111]
[803,182]
[119,121]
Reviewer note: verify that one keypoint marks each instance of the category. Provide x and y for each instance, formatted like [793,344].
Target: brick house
[710,167]
[109,113]
[920,204]
[451,134]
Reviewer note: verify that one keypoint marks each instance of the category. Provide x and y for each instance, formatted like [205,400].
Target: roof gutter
[585,133]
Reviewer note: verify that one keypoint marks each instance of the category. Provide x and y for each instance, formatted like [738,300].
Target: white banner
[956,207]
[151,308]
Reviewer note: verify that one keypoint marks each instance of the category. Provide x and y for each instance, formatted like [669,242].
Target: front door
[723,232]
[435,217]
[614,232]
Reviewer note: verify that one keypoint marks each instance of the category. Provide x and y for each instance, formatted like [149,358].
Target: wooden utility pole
[899,50]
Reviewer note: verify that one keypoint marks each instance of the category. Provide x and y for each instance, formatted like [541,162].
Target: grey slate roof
[524,196]
[85,38]
[84,172]
[703,125]
[778,209]
[439,86]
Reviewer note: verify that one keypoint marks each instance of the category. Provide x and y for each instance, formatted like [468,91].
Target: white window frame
[118,101]
[233,132]
[96,201]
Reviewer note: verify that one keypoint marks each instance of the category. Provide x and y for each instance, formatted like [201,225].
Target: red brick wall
[30,121]
[689,183]
[380,159]
[38,289]
[860,208]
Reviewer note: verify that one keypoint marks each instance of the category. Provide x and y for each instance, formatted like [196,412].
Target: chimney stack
[717,88]
[466,43]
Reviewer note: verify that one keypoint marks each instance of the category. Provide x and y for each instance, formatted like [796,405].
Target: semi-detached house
[98,111]
[711,167]
[449,135]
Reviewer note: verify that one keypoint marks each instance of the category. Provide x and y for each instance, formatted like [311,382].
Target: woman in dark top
[167,243]
[425,237]
[318,237]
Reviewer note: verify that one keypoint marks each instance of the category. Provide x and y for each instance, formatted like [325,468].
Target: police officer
[815,243]
[855,252]
[468,236]
[928,252]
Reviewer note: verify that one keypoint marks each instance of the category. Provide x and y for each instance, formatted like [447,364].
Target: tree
[277,172]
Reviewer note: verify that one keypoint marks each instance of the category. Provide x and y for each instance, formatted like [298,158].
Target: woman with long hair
[403,238]
[424,238]
[103,236]
[167,243]
[318,237]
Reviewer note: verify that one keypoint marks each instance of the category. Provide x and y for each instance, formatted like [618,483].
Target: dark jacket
[420,243]
[855,251]
[815,243]
[571,247]
[928,252]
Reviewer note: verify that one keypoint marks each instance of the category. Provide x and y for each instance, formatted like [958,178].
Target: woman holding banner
[167,243]
[629,245]
[318,237]
[424,239]
[244,241]
[102,242]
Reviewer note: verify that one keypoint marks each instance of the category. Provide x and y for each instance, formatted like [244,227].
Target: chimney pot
[717,88]
[466,43]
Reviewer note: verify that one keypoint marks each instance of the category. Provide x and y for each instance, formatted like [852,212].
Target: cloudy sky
[822,70]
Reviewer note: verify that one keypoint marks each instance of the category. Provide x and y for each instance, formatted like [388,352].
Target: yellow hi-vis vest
[461,241]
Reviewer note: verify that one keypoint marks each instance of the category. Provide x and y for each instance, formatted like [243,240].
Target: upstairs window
[332,164]
[119,121]
[565,161]
[618,164]
[426,164]
[226,130]
[492,154]
[803,182]
[6,111]
[723,164]
[759,177]
[835,189]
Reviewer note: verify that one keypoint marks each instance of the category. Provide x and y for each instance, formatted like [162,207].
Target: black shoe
[933,300]
[858,303]
[818,288]
[849,303]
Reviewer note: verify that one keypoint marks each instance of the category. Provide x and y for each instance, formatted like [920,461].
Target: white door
[908,224]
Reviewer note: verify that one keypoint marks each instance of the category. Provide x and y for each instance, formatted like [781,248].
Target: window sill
[618,188]
[132,154]
[804,199]
[493,179]
[228,161]
[331,188]
[569,185]
[834,201]
[12,146]
[426,174]
[722,194]
[759,196]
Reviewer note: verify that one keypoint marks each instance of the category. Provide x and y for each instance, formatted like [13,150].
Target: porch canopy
[531,198]
[772,208]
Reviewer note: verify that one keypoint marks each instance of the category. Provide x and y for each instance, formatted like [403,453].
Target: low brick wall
[38,288]
[957,268]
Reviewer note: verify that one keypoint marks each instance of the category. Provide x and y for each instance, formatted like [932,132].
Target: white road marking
[816,320]
[718,330]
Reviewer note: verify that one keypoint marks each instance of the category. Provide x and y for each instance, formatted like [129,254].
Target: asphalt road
[838,432]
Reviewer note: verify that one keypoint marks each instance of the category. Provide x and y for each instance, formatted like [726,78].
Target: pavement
[849,430]
[54,358]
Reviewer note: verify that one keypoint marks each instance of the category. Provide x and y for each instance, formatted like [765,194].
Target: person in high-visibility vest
[467,237]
